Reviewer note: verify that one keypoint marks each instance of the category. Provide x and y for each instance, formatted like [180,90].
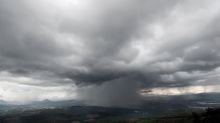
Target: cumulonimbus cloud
[156,43]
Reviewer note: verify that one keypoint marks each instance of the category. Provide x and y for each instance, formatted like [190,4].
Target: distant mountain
[180,103]
[2,102]
[36,105]
[153,106]
[49,103]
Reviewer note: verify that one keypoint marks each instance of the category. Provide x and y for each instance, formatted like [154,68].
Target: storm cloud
[105,51]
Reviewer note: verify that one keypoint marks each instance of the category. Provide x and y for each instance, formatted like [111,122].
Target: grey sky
[84,49]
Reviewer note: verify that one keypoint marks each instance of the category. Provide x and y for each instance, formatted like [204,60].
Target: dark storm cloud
[101,44]
[112,93]
[111,25]
[28,41]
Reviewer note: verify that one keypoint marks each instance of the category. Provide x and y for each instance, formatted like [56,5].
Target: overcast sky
[106,51]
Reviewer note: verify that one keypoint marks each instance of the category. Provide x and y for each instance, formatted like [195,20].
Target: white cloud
[22,90]
[163,91]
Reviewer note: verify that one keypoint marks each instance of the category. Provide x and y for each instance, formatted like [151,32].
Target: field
[92,114]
